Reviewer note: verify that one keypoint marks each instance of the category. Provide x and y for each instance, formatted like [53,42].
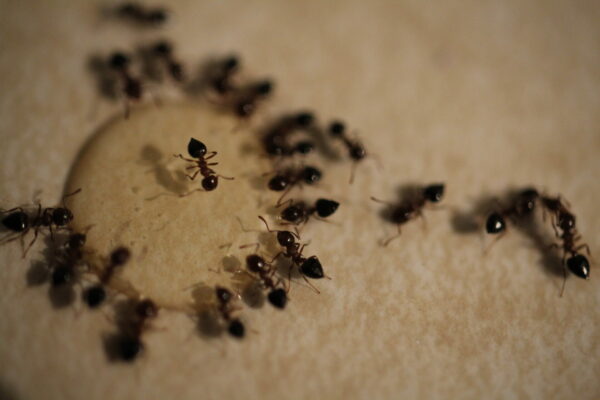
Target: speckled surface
[482,96]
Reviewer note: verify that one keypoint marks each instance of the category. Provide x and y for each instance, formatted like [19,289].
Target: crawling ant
[136,13]
[300,212]
[68,259]
[20,223]
[356,150]
[95,295]
[248,98]
[308,267]
[132,87]
[225,307]
[562,218]
[521,206]
[265,271]
[275,141]
[222,76]
[164,52]
[130,344]
[412,207]
[284,181]
[197,150]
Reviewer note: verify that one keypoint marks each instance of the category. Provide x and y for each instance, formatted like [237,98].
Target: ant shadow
[124,312]
[107,83]
[173,182]
[208,321]
[8,392]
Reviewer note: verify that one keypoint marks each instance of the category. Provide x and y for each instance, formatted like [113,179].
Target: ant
[197,150]
[265,270]
[164,52]
[235,327]
[68,259]
[522,205]
[130,345]
[132,87]
[222,75]
[246,103]
[356,150]
[287,179]
[275,142]
[95,295]
[308,267]
[19,222]
[137,14]
[412,208]
[562,218]
[300,212]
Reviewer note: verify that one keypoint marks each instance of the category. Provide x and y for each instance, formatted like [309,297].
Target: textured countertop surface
[483,96]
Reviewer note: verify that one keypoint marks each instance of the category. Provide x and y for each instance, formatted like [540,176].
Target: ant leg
[210,155]
[352,172]
[229,178]
[500,236]
[290,201]
[420,214]
[311,285]
[256,244]
[584,246]
[285,193]
[35,234]
[183,158]
[193,176]
[6,239]
[188,193]
[265,222]
[12,209]
[276,257]
[382,201]
[562,289]
[71,194]
[388,240]
[212,163]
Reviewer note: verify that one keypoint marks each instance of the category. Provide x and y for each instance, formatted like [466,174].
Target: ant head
[210,182]
[61,216]
[129,348]
[146,309]
[224,295]
[579,265]
[231,63]
[76,240]
[118,61]
[278,298]
[120,256]
[566,221]
[326,207]
[304,147]
[526,201]
[61,275]
[278,183]
[434,193]
[94,296]
[162,48]
[495,223]
[255,263]
[357,152]
[292,213]
[16,222]
[285,238]
[245,108]
[311,175]
[312,268]
[236,329]
[196,148]
[337,128]
[264,88]
[304,119]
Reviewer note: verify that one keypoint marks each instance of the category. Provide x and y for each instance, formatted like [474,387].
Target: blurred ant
[308,267]
[197,150]
[275,141]
[95,295]
[20,222]
[265,271]
[132,87]
[222,75]
[248,98]
[300,212]
[136,13]
[130,344]
[285,180]
[522,205]
[225,307]
[356,150]
[411,208]
[561,217]
[68,259]
[164,52]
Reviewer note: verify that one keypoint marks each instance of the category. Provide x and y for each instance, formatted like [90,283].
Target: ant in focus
[130,344]
[412,207]
[95,295]
[132,87]
[356,150]
[225,307]
[308,267]
[136,13]
[20,222]
[197,150]
[164,52]
[300,212]
[284,181]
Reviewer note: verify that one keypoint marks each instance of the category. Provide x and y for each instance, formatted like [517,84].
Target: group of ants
[70,259]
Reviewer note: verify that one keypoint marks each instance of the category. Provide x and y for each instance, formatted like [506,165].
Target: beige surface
[481,96]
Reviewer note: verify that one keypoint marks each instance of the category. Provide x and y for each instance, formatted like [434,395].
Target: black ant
[95,295]
[284,181]
[164,51]
[197,150]
[20,222]
[356,150]
[308,267]
[300,212]
[522,205]
[222,75]
[247,99]
[130,345]
[562,218]
[136,13]
[275,141]
[225,307]
[132,87]
[412,207]
[68,259]
[265,271]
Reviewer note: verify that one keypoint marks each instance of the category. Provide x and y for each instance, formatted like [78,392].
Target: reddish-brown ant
[164,52]
[412,207]
[20,222]
[198,151]
[356,150]
[130,344]
[300,212]
[132,87]
[265,272]
[308,267]
[284,181]
[136,13]
[225,307]
[95,295]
